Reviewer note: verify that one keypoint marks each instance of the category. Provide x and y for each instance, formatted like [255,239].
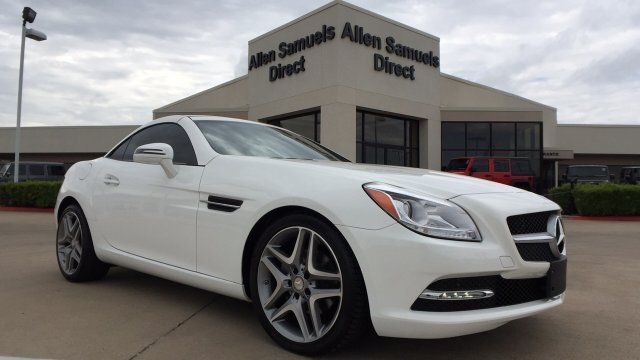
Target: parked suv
[30,170]
[510,171]
[630,175]
[587,174]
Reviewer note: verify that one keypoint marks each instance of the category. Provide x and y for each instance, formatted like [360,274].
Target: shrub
[563,196]
[30,194]
[607,199]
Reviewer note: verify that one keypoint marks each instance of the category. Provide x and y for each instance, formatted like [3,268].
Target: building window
[497,139]
[307,125]
[388,140]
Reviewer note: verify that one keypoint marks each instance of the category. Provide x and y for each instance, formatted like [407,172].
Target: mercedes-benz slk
[321,246]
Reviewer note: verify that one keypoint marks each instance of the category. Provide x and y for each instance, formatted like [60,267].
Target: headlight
[423,214]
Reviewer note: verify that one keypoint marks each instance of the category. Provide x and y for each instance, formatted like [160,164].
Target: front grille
[536,251]
[507,292]
[529,223]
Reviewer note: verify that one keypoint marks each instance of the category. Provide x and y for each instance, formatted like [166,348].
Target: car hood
[435,183]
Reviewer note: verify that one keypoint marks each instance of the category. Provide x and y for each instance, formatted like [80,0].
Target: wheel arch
[68,200]
[262,224]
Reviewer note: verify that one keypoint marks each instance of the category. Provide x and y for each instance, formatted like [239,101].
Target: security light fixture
[35,35]
[28,15]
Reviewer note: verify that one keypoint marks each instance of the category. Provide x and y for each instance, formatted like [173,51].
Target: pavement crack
[178,325]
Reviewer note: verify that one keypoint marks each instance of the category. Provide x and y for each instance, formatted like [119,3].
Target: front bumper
[435,325]
[398,264]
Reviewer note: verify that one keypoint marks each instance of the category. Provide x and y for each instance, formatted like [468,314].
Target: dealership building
[371,89]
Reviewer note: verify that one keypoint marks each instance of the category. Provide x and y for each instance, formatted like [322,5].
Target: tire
[77,260]
[340,320]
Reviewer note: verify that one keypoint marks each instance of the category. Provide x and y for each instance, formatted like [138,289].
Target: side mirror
[156,154]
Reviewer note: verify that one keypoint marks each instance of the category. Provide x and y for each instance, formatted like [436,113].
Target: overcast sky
[113,62]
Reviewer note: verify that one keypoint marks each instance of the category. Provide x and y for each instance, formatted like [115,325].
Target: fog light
[456,294]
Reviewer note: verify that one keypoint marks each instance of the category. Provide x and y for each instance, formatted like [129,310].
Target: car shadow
[235,326]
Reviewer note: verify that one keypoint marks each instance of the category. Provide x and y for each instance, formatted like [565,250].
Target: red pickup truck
[511,171]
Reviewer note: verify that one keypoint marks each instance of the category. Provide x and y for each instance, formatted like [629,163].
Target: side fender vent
[220,203]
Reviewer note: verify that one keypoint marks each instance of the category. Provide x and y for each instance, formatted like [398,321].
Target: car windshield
[458,164]
[241,138]
[588,171]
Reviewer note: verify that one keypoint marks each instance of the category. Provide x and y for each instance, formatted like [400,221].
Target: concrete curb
[26,209]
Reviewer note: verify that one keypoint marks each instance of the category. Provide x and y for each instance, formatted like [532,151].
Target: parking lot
[132,315]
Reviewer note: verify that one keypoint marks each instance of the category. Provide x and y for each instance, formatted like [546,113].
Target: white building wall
[600,139]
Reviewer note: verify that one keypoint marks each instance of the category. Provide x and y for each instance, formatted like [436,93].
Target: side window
[36,170]
[480,165]
[172,134]
[12,168]
[56,170]
[501,165]
[118,152]
[175,136]
[522,167]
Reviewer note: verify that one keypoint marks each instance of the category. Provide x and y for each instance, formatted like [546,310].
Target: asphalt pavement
[132,315]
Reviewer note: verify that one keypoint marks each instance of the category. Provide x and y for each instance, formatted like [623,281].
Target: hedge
[40,194]
[563,196]
[607,199]
[598,200]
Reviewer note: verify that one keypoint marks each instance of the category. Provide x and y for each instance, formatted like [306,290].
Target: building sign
[557,154]
[357,36]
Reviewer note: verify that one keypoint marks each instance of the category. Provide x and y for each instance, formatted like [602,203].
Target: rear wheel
[306,286]
[77,259]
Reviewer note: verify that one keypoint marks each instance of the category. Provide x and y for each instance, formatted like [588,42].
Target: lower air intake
[506,292]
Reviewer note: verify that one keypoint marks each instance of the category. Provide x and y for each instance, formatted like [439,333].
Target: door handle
[111,180]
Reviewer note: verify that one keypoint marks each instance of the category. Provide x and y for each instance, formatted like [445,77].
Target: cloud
[112,62]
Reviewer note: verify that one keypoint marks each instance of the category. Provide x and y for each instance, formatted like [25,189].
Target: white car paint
[159,225]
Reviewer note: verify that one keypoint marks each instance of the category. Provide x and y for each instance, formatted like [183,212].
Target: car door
[480,169]
[501,171]
[144,212]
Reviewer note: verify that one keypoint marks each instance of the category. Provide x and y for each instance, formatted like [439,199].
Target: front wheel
[307,287]
[77,259]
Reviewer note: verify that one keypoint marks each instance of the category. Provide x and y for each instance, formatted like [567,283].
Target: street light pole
[16,164]
[28,16]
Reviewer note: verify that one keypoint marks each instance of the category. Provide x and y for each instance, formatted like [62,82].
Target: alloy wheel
[299,284]
[69,242]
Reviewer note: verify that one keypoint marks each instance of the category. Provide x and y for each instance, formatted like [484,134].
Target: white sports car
[322,247]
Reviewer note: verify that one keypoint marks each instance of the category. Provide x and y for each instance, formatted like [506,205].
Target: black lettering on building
[281,71]
[261,58]
[382,63]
